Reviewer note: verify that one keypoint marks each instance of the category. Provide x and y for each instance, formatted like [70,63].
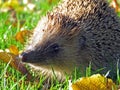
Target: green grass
[10,79]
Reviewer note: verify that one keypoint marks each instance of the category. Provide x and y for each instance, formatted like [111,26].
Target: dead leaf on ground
[95,82]
[21,36]
[15,63]
[14,50]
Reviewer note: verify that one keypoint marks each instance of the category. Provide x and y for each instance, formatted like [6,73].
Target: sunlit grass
[10,79]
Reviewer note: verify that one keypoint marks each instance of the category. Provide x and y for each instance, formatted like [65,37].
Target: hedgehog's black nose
[24,56]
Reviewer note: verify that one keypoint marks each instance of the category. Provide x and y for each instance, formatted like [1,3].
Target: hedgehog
[73,35]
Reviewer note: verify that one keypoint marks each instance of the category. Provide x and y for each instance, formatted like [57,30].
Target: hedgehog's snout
[23,56]
[28,56]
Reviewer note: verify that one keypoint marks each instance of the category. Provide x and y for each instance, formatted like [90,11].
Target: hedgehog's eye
[54,48]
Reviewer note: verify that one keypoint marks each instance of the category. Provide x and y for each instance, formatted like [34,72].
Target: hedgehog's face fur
[56,40]
[53,46]
[74,34]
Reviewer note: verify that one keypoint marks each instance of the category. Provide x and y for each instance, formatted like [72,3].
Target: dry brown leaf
[14,50]
[20,36]
[15,63]
[95,82]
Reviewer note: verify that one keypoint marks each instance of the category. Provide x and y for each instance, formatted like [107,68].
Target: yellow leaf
[95,82]
[0,2]
[20,36]
[11,3]
[6,57]
[14,50]
[15,63]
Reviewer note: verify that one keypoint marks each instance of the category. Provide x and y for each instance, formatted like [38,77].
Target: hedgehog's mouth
[30,57]
[26,56]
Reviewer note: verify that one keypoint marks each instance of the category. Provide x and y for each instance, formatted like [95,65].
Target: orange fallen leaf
[95,82]
[15,63]
[20,36]
[14,50]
